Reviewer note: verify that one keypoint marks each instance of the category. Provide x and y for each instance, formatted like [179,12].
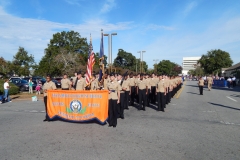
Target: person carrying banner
[48,85]
[80,82]
[94,83]
[113,100]
[65,83]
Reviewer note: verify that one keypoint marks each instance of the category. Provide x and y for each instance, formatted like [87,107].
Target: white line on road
[231,98]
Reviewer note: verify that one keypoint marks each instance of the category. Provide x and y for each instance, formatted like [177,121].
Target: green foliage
[126,60]
[13,88]
[168,67]
[196,72]
[214,60]
[66,53]
[22,62]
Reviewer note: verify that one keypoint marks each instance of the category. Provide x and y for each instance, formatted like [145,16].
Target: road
[194,127]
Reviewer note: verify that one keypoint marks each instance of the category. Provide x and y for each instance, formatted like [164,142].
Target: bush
[13,89]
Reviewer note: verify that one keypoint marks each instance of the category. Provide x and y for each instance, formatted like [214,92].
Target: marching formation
[125,90]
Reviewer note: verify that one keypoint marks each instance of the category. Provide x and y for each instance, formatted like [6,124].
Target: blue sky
[165,29]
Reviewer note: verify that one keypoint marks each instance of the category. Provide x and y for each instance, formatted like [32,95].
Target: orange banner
[78,106]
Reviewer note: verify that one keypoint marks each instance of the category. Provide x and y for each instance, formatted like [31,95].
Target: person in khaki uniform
[126,87]
[142,88]
[74,78]
[167,84]
[65,83]
[122,96]
[153,83]
[94,83]
[80,82]
[161,93]
[132,89]
[148,90]
[201,84]
[48,85]
[113,100]
[105,82]
[210,82]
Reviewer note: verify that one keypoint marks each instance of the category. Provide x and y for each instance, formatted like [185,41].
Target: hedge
[13,88]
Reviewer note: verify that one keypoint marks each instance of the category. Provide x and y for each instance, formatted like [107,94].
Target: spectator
[6,91]
[229,81]
[38,89]
[30,84]
[234,81]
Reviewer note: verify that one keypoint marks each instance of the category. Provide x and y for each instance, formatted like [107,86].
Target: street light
[141,60]
[155,67]
[110,49]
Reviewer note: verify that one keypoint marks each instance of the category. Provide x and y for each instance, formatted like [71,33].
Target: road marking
[231,98]
[180,92]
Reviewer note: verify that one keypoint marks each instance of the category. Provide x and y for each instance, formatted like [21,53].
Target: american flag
[91,62]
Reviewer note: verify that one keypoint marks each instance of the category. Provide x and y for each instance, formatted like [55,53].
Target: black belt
[65,88]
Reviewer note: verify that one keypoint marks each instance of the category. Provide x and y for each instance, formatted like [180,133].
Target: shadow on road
[192,93]
[220,105]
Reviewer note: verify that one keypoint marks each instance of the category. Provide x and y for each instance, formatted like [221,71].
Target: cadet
[153,89]
[210,82]
[65,83]
[161,93]
[48,85]
[132,89]
[113,100]
[148,90]
[80,82]
[201,84]
[94,83]
[74,78]
[126,88]
[122,96]
[142,89]
[167,85]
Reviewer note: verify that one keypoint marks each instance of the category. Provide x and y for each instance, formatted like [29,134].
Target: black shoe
[144,109]
[45,120]
[126,108]
[122,117]
[114,126]
[109,125]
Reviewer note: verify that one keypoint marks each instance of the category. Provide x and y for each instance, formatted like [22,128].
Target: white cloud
[34,34]
[108,5]
[5,3]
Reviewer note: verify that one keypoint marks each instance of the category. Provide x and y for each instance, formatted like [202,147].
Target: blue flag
[101,55]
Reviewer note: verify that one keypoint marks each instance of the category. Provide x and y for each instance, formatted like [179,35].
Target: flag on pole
[101,57]
[91,62]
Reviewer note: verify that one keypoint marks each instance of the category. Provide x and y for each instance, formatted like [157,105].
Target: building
[189,63]
[231,71]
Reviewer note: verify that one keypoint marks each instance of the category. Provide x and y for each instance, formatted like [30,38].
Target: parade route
[193,127]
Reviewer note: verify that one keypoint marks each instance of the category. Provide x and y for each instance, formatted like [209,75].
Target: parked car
[23,85]
[14,79]
[58,84]
[36,80]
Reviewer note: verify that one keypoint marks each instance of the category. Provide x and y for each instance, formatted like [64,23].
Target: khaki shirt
[65,83]
[48,86]
[105,84]
[148,83]
[74,80]
[125,85]
[81,84]
[210,80]
[153,82]
[161,86]
[201,82]
[94,85]
[142,84]
[132,82]
[114,87]
[167,83]
[121,91]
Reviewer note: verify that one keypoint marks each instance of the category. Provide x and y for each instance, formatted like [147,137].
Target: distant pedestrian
[201,84]
[38,89]
[234,81]
[210,82]
[229,82]
[6,91]
[30,86]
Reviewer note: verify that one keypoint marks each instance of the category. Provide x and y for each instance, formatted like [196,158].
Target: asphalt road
[193,127]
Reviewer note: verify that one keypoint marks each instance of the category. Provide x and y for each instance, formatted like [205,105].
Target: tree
[214,60]
[168,67]
[22,62]
[126,60]
[196,72]
[66,53]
